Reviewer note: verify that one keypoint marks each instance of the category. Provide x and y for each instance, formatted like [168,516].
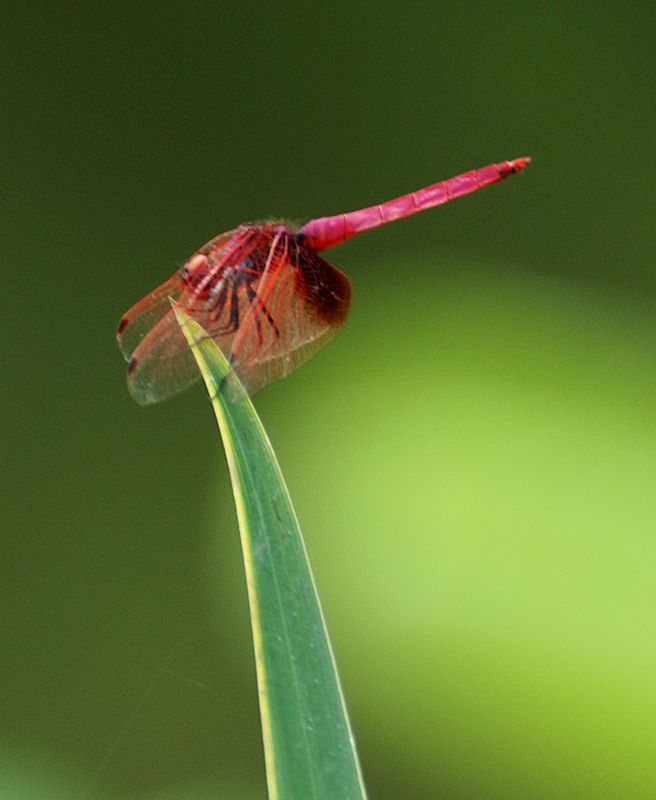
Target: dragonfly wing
[162,365]
[160,362]
[137,322]
[144,315]
[266,300]
[301,303]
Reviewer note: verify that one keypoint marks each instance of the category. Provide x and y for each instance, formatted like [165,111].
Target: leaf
[308,745]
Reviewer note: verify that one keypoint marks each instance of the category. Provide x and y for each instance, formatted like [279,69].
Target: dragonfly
[264,294]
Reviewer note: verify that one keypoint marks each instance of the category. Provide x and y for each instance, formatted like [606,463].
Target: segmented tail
[326,232]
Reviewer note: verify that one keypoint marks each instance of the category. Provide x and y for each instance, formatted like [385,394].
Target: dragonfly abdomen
[326,232]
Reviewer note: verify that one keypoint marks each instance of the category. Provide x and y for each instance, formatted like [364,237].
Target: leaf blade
[308,744]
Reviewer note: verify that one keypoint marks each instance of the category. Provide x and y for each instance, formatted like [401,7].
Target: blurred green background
[473,460]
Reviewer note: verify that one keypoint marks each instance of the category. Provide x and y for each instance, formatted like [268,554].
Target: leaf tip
[192,331]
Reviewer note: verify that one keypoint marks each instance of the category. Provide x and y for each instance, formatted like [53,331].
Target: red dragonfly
[264,294]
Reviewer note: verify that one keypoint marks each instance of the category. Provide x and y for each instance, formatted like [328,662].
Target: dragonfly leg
[255,298]
[234,313]
[233,322]
[219,303]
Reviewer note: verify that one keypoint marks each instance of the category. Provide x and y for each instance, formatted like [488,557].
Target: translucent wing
[161,365]
[138,321]
[301,303]
[266,300]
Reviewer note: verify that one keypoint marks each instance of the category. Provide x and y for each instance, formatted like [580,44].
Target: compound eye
[194,269]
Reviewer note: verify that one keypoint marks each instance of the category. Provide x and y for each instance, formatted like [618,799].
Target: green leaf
[308,744]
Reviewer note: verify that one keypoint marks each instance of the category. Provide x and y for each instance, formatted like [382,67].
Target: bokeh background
[473,459]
